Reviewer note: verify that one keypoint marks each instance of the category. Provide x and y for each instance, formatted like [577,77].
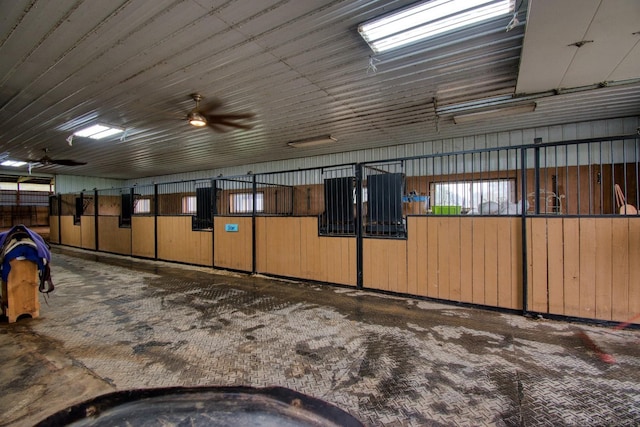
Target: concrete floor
[114,323]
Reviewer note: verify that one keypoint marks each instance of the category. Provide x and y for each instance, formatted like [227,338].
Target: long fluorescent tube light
[312,142]
[13,163]
[98,131]
[428,19]
[494,113]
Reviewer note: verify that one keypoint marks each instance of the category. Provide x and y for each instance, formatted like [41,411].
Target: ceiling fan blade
[230,120]
[216,128]
[210,106]
[66,162]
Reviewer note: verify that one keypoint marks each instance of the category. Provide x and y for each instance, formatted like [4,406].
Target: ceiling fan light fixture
[312,142]
[196,119]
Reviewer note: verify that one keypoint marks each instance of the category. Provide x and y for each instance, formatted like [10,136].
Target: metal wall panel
[73,183]
[555,133]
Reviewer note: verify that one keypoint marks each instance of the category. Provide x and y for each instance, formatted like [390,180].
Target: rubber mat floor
[116,323]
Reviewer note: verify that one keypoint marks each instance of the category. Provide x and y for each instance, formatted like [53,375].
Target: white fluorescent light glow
[429,19]
[494,113]
[13,163]
[98,131]
[312,142]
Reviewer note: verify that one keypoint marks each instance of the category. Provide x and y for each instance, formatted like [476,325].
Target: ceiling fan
[207,116]
[46,160]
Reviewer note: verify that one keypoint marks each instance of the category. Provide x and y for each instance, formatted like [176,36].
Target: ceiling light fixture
[196,119]
[98,131]
[13,163]
[428,19]
[312,142]
[494,113]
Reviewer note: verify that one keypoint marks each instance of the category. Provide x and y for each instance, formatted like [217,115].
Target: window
[189,204]
[488,197]
[243,202]
[142,206]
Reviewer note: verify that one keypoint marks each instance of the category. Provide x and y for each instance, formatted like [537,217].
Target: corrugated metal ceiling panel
[300,67]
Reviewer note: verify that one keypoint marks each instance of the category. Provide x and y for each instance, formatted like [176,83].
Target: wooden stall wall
[308,200]
[178,242]
[584,267]
[88,232]
[113,238]
[108,205]
[70,233]
[54,232]
[465,259]
[143,236]
[233,249]
[384,264]
[291,247]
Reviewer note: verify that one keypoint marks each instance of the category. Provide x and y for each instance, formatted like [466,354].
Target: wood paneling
[233,249]
[54,232]
[590,266]
[571,263]
[88,232]
[583,267]
[71,234]
[177,242]
[556,271]
[112,237]
[143,236]
[538,268]
[465,259]
[385,264]
[291,247]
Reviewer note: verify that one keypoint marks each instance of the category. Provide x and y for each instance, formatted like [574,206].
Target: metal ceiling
[299,66]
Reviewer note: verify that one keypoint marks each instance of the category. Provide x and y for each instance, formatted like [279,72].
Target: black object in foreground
[203,406]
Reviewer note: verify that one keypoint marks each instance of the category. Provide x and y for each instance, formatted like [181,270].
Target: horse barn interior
[433,224]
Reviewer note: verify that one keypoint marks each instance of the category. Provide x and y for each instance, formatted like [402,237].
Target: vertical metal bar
[566,179]
[590,180]
[637,180]
[599,178]
[59,218]
[613,176]
[253,226]
[95,217]
[579,199]
[358,224]
[557,202]
[536,178]
[624,173]
[213,197]
[156,206]
[523,216]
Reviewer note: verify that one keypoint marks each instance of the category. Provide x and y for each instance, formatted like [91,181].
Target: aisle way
[115,323]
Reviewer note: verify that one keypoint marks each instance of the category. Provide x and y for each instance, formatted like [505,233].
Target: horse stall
[184,230]
[550,229]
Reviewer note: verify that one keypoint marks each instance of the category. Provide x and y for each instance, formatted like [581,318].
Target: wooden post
[20,292]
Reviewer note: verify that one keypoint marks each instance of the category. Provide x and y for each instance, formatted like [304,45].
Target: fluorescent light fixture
[312,142]
[494,113]
[428,19]
[98,131]
[13,163]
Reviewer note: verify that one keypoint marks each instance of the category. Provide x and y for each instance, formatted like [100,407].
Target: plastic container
[446,210]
